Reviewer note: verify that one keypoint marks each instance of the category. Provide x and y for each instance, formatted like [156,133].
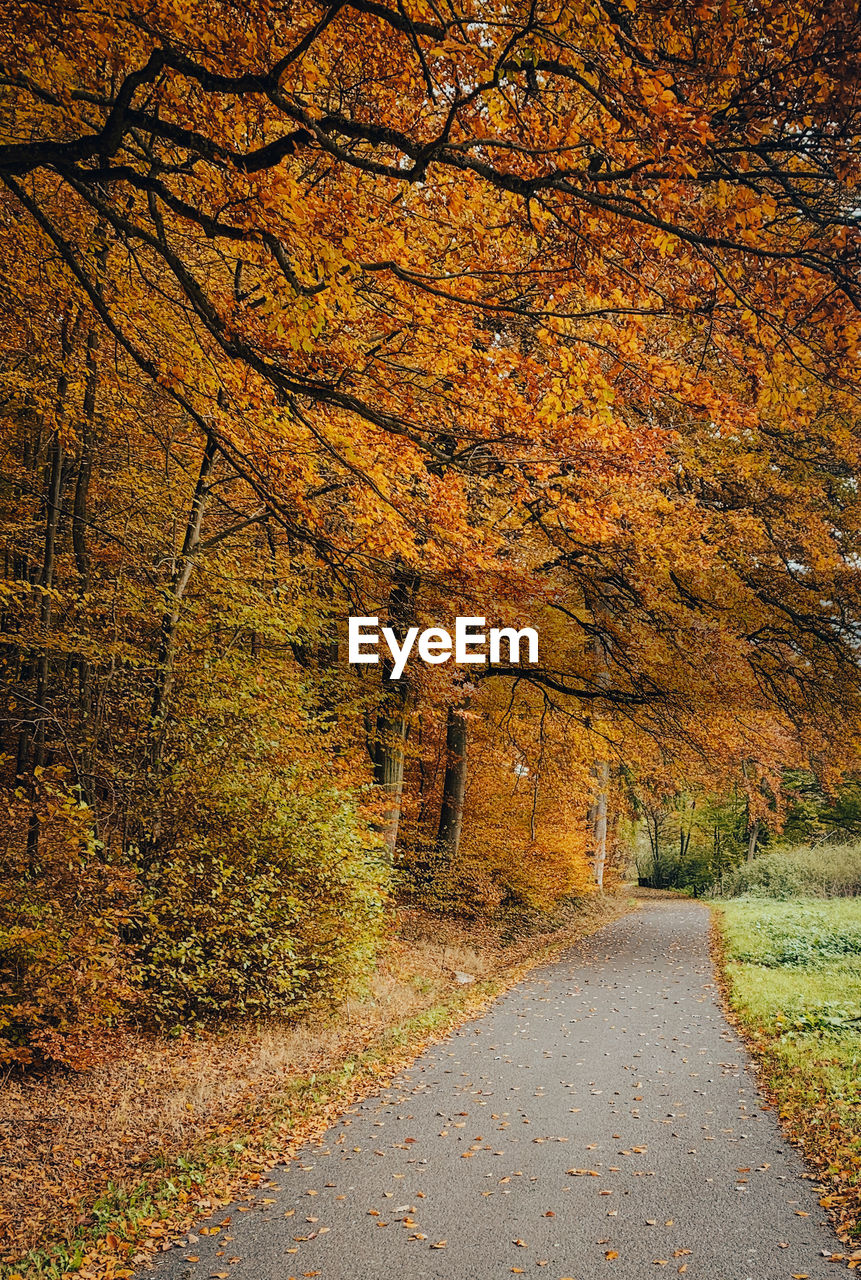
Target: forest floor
[92,1162]
[792,973]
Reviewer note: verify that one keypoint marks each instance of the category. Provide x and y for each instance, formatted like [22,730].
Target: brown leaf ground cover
[87,1156]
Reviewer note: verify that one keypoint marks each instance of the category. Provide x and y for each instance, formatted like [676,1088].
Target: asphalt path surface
[601,1120]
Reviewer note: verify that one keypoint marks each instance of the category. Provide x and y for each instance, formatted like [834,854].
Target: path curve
[615,1061]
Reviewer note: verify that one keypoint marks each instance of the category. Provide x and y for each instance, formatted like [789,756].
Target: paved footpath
[601,1120]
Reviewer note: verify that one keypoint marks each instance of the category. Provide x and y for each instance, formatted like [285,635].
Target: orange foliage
[522,312]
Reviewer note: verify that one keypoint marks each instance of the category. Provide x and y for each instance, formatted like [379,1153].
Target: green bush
[262,911]
[773,876]
[829,871]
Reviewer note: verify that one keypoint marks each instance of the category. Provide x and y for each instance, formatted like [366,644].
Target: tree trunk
[85,468]
[55,477]
[389,770]
[393,716]
[161,697]
[182,569]
[601,769]
[653,829]
[751,827]
[454,784]
[599,829]
[685,835]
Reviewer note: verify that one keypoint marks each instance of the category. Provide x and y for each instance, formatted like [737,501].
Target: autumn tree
[501,310]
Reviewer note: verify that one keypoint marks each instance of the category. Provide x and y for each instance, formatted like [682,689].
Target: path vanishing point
[600,1121]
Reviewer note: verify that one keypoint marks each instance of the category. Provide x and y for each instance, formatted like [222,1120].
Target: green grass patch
[793,975]
[802,934]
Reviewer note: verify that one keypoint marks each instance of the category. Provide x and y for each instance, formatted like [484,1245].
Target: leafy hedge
[830,871]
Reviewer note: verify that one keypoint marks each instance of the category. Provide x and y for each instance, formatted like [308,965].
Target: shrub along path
[600,1120]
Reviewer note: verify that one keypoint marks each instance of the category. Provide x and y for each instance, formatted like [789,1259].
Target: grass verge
[792,980]
[101,1170]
